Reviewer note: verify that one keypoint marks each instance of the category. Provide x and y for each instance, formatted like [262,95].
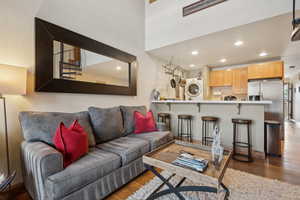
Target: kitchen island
[225,111]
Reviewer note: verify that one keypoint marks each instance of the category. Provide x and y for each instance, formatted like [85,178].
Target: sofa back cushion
[41,126]
[107,123]
[128,117]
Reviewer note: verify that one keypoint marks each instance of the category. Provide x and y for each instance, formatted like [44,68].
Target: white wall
[163,80]
[293,77]
[296,108]
[119,23]
[165,24]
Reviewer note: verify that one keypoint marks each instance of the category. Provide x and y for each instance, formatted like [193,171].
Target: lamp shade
[13,80]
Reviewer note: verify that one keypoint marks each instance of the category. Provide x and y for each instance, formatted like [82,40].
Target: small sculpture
[217,150]
[155,95]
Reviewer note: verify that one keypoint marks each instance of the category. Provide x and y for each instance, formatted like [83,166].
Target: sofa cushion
[155,139]
[90,168]
[129,148]
[107,123]
[161,126]
[41,126]
[128,117]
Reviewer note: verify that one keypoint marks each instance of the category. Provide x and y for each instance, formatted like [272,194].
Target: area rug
[242,186]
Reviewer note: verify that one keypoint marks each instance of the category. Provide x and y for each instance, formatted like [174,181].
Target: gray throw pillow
[41,126]
[107,123]
[128,117]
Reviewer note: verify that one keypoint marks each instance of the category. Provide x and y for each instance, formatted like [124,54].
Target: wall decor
[68,62]
[200,5]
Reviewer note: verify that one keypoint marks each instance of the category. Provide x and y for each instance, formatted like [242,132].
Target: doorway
[288,102]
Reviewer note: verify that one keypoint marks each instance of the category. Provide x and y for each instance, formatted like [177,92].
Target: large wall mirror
[69,62]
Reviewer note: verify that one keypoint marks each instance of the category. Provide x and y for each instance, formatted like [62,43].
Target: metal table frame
[176,190]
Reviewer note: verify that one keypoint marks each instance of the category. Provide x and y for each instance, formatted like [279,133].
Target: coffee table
[162,158]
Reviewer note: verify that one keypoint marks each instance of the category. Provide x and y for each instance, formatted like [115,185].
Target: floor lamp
[12,82]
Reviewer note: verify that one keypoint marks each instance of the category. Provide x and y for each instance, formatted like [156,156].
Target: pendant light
[296,25]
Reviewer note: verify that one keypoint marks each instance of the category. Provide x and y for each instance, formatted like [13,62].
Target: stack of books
[190,162]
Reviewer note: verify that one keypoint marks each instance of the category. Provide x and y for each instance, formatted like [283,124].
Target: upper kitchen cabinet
[240,80]
[266,70]
[215,78]
[220,78]
[227,74]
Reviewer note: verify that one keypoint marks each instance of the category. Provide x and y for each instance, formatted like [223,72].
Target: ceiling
[271,35]
[109,70]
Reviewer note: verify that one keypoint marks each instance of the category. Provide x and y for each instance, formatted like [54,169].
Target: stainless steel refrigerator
[271,90]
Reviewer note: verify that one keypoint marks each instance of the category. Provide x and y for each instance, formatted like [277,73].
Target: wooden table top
[164,156]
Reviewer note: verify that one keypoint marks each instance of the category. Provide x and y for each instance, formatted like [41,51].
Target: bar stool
[206,121]
[236,143]
[165,118]
[188,132]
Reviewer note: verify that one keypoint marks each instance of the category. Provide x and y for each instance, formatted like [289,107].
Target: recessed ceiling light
[192,65]
[238,43]
[195,52]
[262,54]
[118,68]
[223,60]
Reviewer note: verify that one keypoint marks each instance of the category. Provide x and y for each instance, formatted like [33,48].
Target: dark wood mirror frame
[46,33]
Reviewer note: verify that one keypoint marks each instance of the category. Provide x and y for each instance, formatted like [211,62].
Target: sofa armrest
[39,161]
[161,126]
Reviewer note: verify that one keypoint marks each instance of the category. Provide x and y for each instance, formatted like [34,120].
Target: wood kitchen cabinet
[240,80]
[227,74]
[266,70]
[220,78]
[215,78]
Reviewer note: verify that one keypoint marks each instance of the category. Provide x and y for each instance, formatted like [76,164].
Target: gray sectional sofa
[114,157]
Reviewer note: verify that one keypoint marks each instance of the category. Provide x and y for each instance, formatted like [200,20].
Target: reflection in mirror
[73,63]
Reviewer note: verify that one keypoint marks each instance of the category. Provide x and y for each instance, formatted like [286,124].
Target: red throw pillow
[144,124]
[71,142]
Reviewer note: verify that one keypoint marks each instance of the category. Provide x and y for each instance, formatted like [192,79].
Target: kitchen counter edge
[214,102]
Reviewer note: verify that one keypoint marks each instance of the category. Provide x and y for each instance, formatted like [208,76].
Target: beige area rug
[242,186]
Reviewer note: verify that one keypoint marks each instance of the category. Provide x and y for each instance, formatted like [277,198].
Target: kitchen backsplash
[218,93]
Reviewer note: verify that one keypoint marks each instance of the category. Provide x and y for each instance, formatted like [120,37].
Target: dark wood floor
[286,169]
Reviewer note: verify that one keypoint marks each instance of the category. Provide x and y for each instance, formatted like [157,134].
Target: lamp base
[6,136]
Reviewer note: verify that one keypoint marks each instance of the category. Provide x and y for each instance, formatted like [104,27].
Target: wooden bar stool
[206,132]
[246,145]
[188,133]
[165,118]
